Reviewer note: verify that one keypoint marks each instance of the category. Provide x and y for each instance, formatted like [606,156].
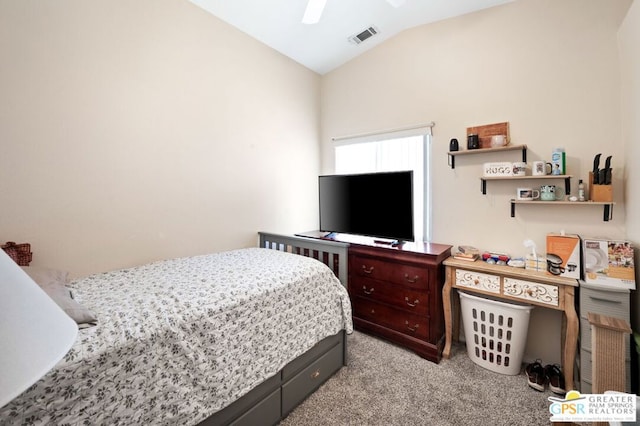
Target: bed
[238,337]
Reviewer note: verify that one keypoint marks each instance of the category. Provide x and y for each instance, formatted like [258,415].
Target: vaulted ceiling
[325,45]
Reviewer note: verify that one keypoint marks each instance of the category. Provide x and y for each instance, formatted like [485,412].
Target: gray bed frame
[276,397]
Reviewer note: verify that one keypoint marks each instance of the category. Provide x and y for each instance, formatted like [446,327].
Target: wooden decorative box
[486,131]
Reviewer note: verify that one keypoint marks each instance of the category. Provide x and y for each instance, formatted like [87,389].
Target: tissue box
[534,263]
[563,255]
[609,262]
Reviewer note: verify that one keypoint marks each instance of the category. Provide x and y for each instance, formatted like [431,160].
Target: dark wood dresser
[396,294]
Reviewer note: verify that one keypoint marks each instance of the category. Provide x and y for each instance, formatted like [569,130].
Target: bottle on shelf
[580,191]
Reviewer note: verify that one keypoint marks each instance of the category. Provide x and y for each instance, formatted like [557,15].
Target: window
[391,152]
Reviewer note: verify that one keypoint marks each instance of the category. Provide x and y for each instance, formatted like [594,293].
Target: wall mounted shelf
[454,154]
[567,180]
[607,206]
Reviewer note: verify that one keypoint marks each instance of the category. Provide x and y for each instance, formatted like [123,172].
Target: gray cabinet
[605,301]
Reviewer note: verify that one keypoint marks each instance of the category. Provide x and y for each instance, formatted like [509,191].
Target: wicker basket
[20,253]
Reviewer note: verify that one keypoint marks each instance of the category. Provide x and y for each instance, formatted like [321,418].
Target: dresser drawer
[397,273]
[407,298]
[413,325]
[609,303]
[478,280]
[530,291]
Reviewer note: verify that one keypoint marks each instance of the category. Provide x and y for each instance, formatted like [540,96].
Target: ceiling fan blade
[314,11]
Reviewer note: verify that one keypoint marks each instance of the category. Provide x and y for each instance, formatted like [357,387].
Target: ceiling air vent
[359,38]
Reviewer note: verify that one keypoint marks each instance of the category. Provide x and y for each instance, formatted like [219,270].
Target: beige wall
[629,41]
[550,68]
[134,131]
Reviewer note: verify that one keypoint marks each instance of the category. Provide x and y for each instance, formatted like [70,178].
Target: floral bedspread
[180,339]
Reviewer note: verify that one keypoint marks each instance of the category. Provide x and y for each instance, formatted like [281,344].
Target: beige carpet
[387,385]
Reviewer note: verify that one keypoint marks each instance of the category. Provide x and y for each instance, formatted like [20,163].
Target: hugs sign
[497,169]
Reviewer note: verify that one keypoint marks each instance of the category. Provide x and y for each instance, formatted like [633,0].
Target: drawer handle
[411,280]
[411,329]
[367,270]
[605,300]
[415,302]
[315,374]
[364,289]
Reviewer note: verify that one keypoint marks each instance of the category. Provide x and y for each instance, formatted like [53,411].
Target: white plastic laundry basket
[496,332]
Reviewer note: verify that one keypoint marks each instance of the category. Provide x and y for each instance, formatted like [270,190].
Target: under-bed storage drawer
[267,412]
[247,404]
[303,360]
[309,379]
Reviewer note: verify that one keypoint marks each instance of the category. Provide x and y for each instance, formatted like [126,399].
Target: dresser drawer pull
[415,302]
[604,300]
[373,311]
[367,270]
[411,280]
[365,291]
[315,374]
[411,329]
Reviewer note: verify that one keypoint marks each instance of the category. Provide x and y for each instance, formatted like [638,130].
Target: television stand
[396,294]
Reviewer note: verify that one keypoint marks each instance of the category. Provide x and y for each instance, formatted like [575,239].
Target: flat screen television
[373,204]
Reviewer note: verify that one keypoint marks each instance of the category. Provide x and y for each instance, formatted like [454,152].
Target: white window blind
[392,153]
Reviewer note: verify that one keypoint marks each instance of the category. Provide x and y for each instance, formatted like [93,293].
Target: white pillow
[53,281]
